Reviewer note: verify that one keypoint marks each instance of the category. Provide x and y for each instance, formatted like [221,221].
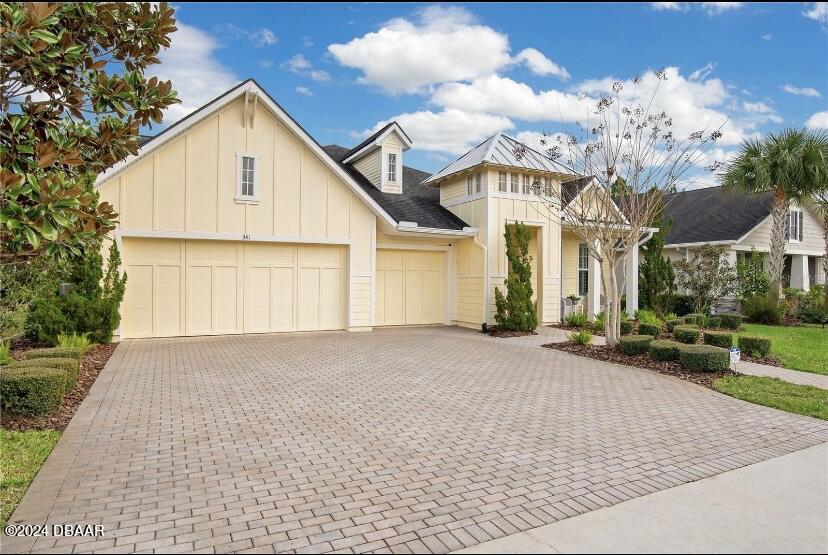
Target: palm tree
[793,164]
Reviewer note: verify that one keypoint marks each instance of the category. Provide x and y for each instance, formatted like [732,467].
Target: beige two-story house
[235,220]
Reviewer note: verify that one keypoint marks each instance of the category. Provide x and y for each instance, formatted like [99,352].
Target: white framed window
[547,186]
[583,270]
[794,227]
[246,177]
[478,182]
[392,167]
[514,180]
[469,185]
[501,182]
[527,186]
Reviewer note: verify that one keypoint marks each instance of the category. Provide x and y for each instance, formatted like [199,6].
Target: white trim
[413,247]
[241,237]
[465,232]
[377,143]
[275,109]
[698,244]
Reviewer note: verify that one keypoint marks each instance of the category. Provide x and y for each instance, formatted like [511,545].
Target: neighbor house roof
[498,149]
[713,214]
[417,203]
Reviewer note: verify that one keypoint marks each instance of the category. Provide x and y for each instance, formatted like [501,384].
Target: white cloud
[702,73]
[710,8]
[540,64]
[670,6]
[444,44]
[716,8]
[818,121]
[300,65]
[767,36]
[304,90]
[818,12]
[761,112]
[452,131]
[195,74]
[803,91]
[258,37]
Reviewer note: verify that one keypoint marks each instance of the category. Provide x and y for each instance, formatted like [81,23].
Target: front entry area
[410,287]
[183,287]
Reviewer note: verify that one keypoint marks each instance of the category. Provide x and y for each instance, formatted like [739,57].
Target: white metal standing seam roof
[497,149]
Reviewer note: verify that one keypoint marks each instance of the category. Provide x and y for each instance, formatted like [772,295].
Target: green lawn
[21,456]
[798,347]
[773,392]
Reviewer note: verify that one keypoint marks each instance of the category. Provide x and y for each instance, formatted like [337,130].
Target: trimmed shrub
[714,322]
[45,321]
[582,337]
[33,391]
[626,327]
[686,334]
[645,328]
[56,352]
[576,320]
[718,339]
[694,318]
[671,324]
[731,321]
[634,344]
[704,358]
[664,350]
[757,347]
[763,309]
[69,365]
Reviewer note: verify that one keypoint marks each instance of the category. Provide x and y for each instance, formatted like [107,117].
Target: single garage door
[217,287]
[410,287]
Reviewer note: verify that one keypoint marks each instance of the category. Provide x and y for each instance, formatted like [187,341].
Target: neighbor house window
[246,178]
[795,225]
[515,182]
[583,270]
[501,182]
[469,185]
[392,168]
[478,182]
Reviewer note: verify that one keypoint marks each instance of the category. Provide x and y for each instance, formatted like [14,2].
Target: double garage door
[178,287]
[410,287]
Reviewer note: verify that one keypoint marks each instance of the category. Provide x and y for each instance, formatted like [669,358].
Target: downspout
[485,278]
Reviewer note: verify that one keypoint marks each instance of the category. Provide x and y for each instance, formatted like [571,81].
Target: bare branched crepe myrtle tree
[626,157]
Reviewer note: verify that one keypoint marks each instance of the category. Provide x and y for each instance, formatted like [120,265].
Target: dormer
[380,158]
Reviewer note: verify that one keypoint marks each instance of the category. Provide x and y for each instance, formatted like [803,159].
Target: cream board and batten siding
[186,189]
[812,244]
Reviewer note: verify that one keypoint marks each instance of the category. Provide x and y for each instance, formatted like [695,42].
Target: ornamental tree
[73,96]
[707,277]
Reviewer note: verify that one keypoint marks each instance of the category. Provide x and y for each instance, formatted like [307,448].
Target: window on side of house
[246,178]
[392,167]
[547,186]
[514,180]
[478,182]
[583,270]
[469,185]
[795,224]
[501,182]
[526,184]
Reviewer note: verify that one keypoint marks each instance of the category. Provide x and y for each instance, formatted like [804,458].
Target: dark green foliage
[813,315]
[763,309]
[694,318]
[686,334]
[56,352]
[757,347]
[516,311]
[704,358]
[21,282]
[32,391]
[753,279]
[656,281]
[714,322]
[71,366]
[718,339]
[634,344]
[626,327]
[682,304]
[649,329]
[730,321]
[664,350]
[45,320]
[671,324]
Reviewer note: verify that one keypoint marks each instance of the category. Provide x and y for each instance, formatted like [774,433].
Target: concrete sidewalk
[793,376]
[776,506]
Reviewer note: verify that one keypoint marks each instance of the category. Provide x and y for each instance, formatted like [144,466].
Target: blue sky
[455,74]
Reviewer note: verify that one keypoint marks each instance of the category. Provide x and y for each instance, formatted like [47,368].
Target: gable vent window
[795,224]
[246,178]
[478,183]
[392,168]
[501,182]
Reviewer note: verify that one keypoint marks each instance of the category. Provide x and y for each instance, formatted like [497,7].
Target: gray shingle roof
[417,203]
[713,214]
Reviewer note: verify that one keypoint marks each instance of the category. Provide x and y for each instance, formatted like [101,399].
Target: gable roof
[498,149]
[417,203]
[713,214]
[376,138]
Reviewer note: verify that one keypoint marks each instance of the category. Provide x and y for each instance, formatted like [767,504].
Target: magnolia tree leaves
[74,96]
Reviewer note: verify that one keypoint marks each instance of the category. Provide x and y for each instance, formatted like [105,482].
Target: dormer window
[392,168]
[246,178]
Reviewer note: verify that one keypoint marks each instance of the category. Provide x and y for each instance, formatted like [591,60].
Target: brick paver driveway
[409,440]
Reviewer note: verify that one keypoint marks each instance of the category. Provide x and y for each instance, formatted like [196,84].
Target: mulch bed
[91,365]
[495,331]
[576,329]
[672,368]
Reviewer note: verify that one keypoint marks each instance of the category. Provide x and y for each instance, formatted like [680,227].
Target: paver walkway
[419,439]
[793,376]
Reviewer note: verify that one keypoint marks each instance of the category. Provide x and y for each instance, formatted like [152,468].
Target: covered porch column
[800,276]
[631,281]
[594,294]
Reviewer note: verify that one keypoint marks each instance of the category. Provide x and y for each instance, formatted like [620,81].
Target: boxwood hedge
[634,344]
[673,323]
[704,358]
[56,352]
[71,366]
[754,346]
[694,318]
[718,339]
[33,391]
[664,349]
[731,321]
[626,327]
[649,329]
[686,334]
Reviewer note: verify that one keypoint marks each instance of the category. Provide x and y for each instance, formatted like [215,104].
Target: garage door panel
[308,298]
[225,292]
[258,289]
[410,287]
[167,317]
[331,305]
[282,299]
[138,301]
[199,300]
[433,302]
[413,297]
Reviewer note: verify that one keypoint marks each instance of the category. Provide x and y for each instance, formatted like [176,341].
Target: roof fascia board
[377,142]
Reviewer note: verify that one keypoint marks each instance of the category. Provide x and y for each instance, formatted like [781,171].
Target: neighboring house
[741,223]
[235,220]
